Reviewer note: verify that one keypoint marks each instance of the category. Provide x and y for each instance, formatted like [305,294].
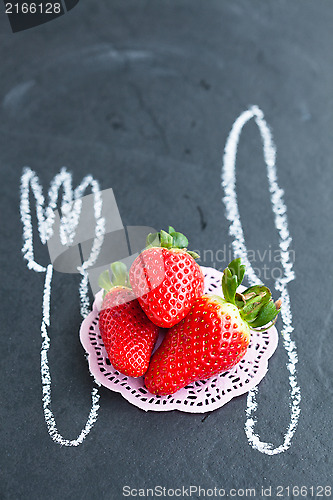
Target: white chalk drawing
[70,214]
[239,247]
[71,204]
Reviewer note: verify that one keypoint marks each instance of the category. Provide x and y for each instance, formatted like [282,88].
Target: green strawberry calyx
[170,239]
[255,304]
[119,277]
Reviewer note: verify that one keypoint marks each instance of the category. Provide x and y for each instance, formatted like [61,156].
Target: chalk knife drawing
[239,247]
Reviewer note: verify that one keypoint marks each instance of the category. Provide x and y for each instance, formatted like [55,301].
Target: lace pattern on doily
[201,396]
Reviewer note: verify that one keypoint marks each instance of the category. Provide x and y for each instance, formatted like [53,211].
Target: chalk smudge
[13,98]
[71,204]
[236,231]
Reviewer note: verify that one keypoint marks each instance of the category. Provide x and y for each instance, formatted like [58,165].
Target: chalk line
[239,247]
[70,215]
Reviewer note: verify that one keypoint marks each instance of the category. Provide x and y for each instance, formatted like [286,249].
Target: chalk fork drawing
[239,247]
[71,204]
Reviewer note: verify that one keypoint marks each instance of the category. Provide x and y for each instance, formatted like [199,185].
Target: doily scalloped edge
[100,378]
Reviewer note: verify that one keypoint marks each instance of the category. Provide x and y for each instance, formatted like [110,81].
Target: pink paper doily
[201,396]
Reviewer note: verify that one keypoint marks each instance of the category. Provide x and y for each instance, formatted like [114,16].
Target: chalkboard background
[142,95]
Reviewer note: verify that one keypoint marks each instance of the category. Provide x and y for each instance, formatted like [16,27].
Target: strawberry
[166,279]
[213,337]
[128,335]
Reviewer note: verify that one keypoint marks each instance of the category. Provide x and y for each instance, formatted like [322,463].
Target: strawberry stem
[119,277]
[232,277]
[255,304]
[170,239]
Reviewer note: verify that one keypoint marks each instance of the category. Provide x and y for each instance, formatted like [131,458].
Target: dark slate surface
[143,94]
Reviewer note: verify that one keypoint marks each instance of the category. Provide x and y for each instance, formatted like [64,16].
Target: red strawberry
[166,279]
[213,337]
[128,335]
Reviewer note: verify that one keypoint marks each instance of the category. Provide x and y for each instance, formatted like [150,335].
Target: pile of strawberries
[205,334]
